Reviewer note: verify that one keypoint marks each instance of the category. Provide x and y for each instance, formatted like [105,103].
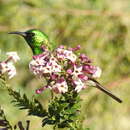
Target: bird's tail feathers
[106,91]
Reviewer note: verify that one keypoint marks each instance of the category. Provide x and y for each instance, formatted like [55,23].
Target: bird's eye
[30,34]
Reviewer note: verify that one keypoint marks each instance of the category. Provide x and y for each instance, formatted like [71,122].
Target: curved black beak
[19,33]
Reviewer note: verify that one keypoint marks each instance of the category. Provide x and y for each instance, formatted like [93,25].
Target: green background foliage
[101,27]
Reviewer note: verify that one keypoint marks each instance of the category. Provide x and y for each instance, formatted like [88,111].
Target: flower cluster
[43,64]
[63,69]
[7,66]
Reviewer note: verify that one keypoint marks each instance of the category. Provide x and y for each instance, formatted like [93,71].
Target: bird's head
[35,39]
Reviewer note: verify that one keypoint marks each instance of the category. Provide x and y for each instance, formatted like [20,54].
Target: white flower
[79,85]
[40,65]
[36,66]
[60,87]
[8,68]
[55,67]
[3,67]
[97,73]
[11,70]
[77,71]
[13,55]
[66,54]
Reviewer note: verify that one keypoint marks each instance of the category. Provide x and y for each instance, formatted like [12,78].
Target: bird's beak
[19,33]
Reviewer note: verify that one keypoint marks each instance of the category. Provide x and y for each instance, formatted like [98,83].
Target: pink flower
[36,66]
[83,77]
[40,90]
[60,86]
[75,49]
[13,56]
[3,67]
[62,47]
[77,71]
[69,71]
[40,66]
[89,69]
[55,67]
[54,76]
[8,68]
[43,56]
[84,58]
[65,54]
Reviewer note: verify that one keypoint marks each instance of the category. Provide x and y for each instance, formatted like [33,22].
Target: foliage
[62,112]
[34,107]
[5,124]
[3,121]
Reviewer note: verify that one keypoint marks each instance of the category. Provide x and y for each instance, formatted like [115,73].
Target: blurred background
[101,27]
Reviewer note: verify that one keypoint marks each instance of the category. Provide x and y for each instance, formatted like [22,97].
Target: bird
[36,38]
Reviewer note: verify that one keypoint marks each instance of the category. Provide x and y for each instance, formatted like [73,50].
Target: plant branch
[34,107]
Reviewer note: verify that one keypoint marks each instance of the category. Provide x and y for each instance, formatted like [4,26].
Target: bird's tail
[99,86]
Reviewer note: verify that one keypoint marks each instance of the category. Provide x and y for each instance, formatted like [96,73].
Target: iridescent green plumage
[35,39]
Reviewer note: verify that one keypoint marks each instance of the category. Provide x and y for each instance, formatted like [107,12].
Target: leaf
[34,107]
[3,121]
[47,121]
[44,122]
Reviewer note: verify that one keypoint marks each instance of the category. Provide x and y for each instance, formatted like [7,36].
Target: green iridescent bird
[35,39]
